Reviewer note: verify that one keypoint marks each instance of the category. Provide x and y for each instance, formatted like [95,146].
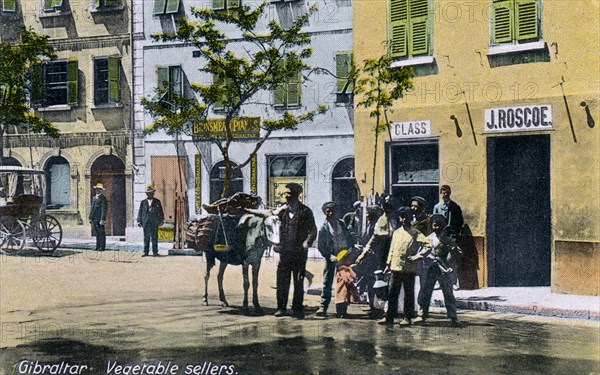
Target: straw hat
[99,186]
[341,255]
[150,188]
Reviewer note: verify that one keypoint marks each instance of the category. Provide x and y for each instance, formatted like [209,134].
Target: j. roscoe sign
[516,119]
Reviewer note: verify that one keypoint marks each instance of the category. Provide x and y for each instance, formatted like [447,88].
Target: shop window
[165,7]
[9,6]
[343,68]
[171,78]
[226,4]
[58,182]
[169,178]
[414,170]
[55,83]
[217,178]
[107,76]
[289,93]
[409,28]
[515,21]
[284,169]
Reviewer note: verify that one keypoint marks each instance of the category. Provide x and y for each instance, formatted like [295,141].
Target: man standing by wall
[333,237]
[298,231]
[98,217]
[453,214]
[150,217]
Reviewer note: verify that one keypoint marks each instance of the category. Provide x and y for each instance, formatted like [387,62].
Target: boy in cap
[334,237]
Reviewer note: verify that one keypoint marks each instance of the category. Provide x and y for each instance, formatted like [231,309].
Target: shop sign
[518,119]
[410,129]
[198,174]
[241,127]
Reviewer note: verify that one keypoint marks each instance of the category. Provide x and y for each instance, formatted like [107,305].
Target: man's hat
[357,204]
[150,188]
[327,205]
[341,255]
[419,199]
[99,186]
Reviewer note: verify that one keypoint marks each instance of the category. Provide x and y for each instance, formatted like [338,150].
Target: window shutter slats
[218,4]
[419,44]
[526,16]
[398,10]
[159,7]
[114,77]
[172,6]
[398,28]
[37,85]
[503,21]
[73,81]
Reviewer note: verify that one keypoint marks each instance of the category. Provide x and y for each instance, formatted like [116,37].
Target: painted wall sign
[518,119]
[254,175]
[410,129]
[241,127]
[198,173]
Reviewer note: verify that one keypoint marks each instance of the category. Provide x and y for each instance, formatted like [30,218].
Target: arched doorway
[58,182]
[110,171]
[344,190]
[217,177]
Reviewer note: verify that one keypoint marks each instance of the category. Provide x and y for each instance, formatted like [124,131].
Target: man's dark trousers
[100,235]
[292,266]
[151,234]
[401,280]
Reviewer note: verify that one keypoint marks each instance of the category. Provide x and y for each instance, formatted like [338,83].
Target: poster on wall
[277,187]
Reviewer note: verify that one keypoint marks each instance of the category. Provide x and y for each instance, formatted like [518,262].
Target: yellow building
[505,110]
[86,93]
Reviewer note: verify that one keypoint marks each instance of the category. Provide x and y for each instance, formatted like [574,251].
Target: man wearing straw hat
[98,217]
[150,217]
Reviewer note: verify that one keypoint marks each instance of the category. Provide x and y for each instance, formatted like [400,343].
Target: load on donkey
[235,232]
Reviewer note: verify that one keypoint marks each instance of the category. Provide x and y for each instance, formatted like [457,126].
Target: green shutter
[218,4]
[159,7]
[37,85]
[526,16]
[343,62]
[48,4]
[218,81]
[503,21]
[172,6]
[175,79]
[10,5]
[398,28]
[418,36]
[73,81]
[233,3]
[294,90]
[114,79]
[279,97]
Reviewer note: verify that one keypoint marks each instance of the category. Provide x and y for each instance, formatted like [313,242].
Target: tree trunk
[227,177]
[375,155]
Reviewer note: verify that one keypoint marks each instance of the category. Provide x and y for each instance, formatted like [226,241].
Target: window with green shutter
[9,5]
[409,28]
[343,65]
[52,5]
[165,7]
[55,83]
[73,81]
[107,76]
[515,21]
[107,4]
[226,4]
[289,93]
[170,77]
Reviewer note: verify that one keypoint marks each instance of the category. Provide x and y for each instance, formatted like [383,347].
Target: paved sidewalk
[519,300]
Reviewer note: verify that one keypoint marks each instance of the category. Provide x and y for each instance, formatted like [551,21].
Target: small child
[345,290]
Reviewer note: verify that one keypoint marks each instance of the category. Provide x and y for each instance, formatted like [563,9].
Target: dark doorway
[519,222]
[110,171]
[344,190]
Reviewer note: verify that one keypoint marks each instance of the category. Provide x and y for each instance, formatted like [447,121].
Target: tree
[245,61]
[16,60]
[380,86]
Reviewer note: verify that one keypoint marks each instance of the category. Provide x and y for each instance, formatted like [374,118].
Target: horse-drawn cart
[23,211]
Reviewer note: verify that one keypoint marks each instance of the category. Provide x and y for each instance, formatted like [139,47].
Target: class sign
[410,129]
[518,119]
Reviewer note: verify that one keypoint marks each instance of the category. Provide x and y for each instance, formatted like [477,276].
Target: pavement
[519,300]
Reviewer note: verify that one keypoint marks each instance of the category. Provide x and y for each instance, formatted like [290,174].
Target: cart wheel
[46,232]
[12,233]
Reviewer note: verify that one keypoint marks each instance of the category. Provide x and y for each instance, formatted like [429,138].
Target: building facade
[319,155]
[504,109]
[86,93]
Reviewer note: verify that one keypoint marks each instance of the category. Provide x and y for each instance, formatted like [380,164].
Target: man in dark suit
[150,217]
[297,233]
[98,217]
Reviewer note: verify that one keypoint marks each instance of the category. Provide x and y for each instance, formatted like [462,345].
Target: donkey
[248,238]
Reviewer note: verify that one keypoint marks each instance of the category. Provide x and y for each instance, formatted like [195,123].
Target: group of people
[150,217]
[404,242]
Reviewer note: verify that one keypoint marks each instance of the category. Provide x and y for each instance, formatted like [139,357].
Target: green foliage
[244,60]
[380,86]
[15,62]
